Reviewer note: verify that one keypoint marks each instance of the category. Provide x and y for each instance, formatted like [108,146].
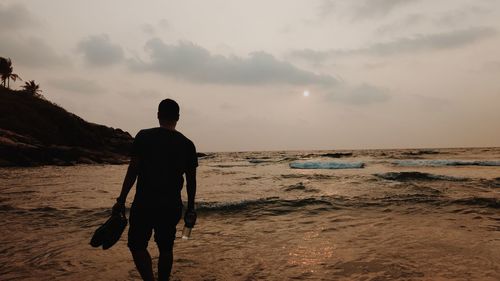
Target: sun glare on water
[306,93]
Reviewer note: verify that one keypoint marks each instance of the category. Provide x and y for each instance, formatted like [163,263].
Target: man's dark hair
[168,110]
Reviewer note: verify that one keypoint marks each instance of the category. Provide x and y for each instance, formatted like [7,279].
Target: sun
[306,93]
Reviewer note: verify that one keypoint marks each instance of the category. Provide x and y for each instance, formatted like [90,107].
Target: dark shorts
[143,220]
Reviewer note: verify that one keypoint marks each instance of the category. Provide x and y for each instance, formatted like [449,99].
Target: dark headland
[35,131]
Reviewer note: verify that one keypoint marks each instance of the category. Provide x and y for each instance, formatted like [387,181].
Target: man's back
[164,156]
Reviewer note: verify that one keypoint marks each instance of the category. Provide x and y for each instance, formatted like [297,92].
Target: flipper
[110,232]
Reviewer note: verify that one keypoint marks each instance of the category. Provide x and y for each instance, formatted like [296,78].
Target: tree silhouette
[32,88]
[6,72]
[4,69]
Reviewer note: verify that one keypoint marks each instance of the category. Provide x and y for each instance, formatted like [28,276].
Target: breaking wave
[416,176]
[478,201]
[277,205]
[260,207]
[420,152]
[327,165]
[440,163]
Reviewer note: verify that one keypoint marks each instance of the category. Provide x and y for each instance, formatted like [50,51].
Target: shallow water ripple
[261,220]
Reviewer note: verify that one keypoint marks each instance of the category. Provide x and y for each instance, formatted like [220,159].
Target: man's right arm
[132,173]
[130,177]
[128,182]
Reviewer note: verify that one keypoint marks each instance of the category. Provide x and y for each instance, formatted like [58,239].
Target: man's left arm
[191,188]
[191,176]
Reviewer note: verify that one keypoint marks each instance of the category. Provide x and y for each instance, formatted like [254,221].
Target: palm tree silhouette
[32,88]
[6,72]
[4,69]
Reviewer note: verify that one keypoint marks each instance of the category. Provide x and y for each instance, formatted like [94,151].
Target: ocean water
[402,215]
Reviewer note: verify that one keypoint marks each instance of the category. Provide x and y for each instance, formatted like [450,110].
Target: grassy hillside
[34,131]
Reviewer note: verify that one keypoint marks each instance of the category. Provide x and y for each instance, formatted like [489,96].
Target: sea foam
[440,163]
[327,165]
[416,176]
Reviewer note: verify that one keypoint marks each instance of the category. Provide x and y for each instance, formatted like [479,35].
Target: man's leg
[142,261]
[164,237]
[139,233]
[165,264]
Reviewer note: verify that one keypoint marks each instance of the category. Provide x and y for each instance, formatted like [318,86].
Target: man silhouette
[160,158]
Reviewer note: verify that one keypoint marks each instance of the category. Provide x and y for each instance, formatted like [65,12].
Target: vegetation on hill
[6,72]
[35,131]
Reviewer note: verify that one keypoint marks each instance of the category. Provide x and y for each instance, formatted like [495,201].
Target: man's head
[168,111]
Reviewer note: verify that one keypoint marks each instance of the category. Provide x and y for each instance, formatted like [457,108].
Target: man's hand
[118,208]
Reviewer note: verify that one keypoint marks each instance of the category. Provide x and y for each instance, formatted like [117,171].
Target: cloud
[193,63]
[378,8]
[148,28]
[461,15]
[24,50]
[363,94]
[164,24]
[437,41]
[491,66]
[326,7]
[77,85]
[430,104]
[31,51]
[141,94]
[360,10]
[312,56]
[151,29]
[417,43]
[98,50]
[14,17]
[403,24]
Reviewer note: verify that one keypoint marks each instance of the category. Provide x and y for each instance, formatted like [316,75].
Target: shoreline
[24,155]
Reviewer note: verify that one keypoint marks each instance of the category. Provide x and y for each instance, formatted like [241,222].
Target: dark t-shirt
[164,156]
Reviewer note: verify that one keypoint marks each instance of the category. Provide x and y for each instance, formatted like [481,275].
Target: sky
[270,75]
